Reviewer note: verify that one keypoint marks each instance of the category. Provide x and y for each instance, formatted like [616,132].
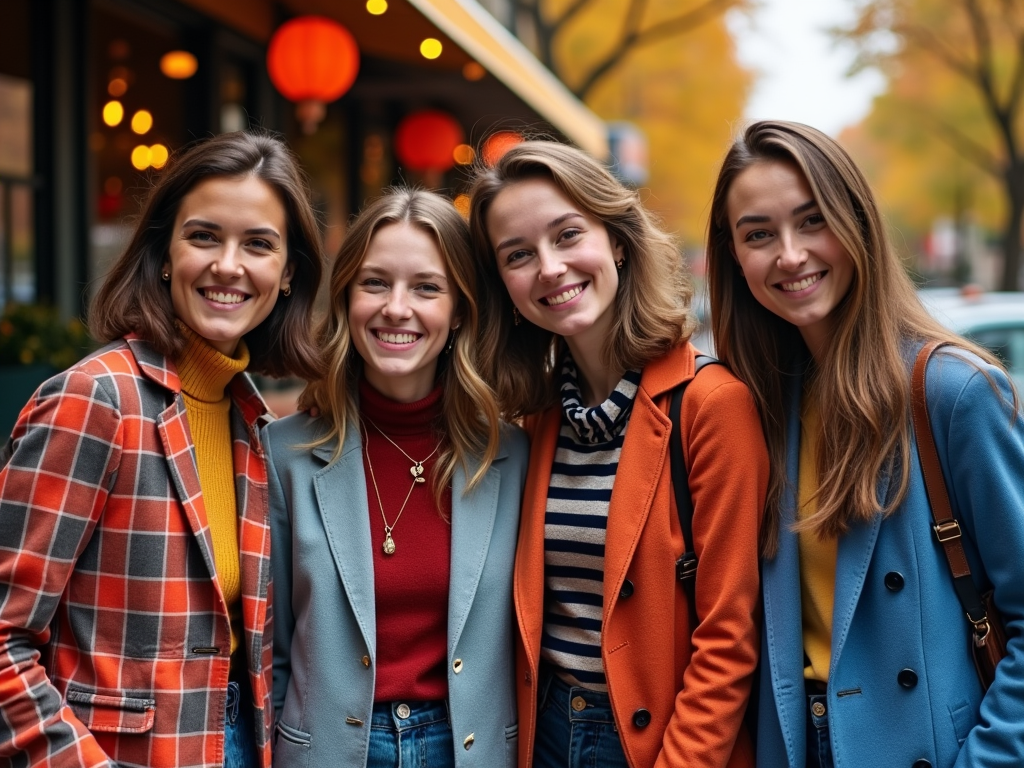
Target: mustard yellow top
[817,557]
[205,373]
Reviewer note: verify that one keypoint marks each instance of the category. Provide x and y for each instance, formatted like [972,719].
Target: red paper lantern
[312,60]
[497,144]
[426,140]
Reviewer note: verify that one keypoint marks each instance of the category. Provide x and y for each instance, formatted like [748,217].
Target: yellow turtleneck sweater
[205,373]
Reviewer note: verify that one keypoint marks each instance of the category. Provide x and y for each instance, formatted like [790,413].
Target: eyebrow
[553,223]
[419,275]
[761,219]
[217,227]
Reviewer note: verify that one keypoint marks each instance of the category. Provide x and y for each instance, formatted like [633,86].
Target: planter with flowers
[34,344]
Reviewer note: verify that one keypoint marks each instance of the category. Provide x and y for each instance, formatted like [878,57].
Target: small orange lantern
[426,140]
[497,144]
[312,60]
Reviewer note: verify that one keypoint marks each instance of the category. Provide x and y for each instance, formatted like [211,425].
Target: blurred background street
[95,95]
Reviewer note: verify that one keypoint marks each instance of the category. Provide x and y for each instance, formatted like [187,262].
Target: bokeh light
[142,121]
[431,48]
[141,157]
[376,7]
[113,113]
[178,65]
[158,154]
[464,154]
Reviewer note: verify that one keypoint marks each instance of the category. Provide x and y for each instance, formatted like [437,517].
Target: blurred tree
[956,70]
[685,91]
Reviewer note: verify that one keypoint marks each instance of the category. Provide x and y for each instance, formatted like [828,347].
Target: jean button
[818,709]
[403,711]
[578,703]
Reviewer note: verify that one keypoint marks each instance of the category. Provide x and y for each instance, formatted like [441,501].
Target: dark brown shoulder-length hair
[133,298]
[471,422]
[652,306]
[862,376]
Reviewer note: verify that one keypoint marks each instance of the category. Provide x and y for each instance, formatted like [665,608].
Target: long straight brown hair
[469,412]
[863,375]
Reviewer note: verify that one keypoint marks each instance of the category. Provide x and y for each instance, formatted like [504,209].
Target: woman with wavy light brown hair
[866,654]
[395,513]
[135,547]
[586,309]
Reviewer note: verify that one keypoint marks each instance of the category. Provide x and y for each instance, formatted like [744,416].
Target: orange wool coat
[695,689]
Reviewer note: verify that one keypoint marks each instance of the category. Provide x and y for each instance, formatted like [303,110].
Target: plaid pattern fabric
[114,635]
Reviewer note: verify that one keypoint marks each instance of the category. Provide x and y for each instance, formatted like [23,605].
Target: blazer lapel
[783,619]
[341,496]
[174,431]
[645,446]
[472,523]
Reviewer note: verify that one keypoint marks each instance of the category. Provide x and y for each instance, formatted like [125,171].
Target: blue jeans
[575,728]
[819,745]
[411,734]
[239,728]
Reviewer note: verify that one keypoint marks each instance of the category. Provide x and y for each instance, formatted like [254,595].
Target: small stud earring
[516,317]
[287,290]
[165,275]
[620,264]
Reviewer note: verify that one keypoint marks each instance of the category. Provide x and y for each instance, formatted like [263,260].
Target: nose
[228,262]
[396,306]
[792,255]
[551,267]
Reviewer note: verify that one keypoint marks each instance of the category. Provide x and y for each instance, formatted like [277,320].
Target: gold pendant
[389,543]
[416,470]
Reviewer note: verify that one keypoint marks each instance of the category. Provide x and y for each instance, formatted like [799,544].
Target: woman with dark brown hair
[866,654]
[135,552]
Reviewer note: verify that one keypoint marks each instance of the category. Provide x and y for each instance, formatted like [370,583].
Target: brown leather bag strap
[946,527]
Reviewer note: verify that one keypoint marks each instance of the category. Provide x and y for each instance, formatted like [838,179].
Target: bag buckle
[686,567]
[981,629]
[947,530]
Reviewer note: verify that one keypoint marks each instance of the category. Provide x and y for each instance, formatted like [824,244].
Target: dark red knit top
[411,584]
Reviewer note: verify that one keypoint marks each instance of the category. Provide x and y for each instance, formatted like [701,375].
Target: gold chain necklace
[389,542]
[416,470]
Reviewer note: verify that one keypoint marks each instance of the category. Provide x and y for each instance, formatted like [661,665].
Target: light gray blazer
[323,592]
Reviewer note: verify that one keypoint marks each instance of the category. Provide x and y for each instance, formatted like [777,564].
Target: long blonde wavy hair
[863,375]
[469,412]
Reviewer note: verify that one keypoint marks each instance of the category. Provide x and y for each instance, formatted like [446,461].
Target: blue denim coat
[935,715]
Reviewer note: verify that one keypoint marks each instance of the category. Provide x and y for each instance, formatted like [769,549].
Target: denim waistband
[388,714]
[577,703]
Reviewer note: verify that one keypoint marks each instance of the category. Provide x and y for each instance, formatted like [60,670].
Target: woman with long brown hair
[866,656]
[394,514]
[135,545]
[587,322]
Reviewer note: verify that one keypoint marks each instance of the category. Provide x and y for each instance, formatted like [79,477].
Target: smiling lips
[402,337]
[801,285]
[560,298]
[223,297]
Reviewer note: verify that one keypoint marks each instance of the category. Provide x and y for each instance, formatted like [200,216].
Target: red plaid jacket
[114,635]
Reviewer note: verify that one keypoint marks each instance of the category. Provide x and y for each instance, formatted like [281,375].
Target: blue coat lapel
[341,496]
[473,518]
[783,617]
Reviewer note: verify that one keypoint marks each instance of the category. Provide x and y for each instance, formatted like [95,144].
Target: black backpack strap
[686,566]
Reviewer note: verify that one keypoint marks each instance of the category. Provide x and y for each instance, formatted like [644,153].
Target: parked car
[994,320]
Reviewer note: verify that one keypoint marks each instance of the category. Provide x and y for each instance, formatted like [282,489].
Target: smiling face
[401,308]
[557,262]
[793,263]
[228,258]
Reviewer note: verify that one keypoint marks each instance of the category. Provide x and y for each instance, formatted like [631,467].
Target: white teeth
[396,338]
[800,285]
[224,298]
[565,296]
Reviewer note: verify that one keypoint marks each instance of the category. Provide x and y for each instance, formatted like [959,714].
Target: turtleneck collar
[603,422]
[394,418]
[204,371]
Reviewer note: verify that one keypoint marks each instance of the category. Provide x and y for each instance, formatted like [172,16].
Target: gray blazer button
[468,741]
[457,666]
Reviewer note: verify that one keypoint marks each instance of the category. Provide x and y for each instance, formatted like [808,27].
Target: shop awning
[481,36]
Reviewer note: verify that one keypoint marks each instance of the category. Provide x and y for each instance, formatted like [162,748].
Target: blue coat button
[894,581]
[907,678]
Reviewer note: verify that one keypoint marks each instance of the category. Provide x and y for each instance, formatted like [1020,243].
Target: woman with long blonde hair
[587,318]
[394,514]
[866,656]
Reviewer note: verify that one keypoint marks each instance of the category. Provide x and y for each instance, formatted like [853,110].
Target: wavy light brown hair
[470,417]
[863,374]
[652,306]
[133,298]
